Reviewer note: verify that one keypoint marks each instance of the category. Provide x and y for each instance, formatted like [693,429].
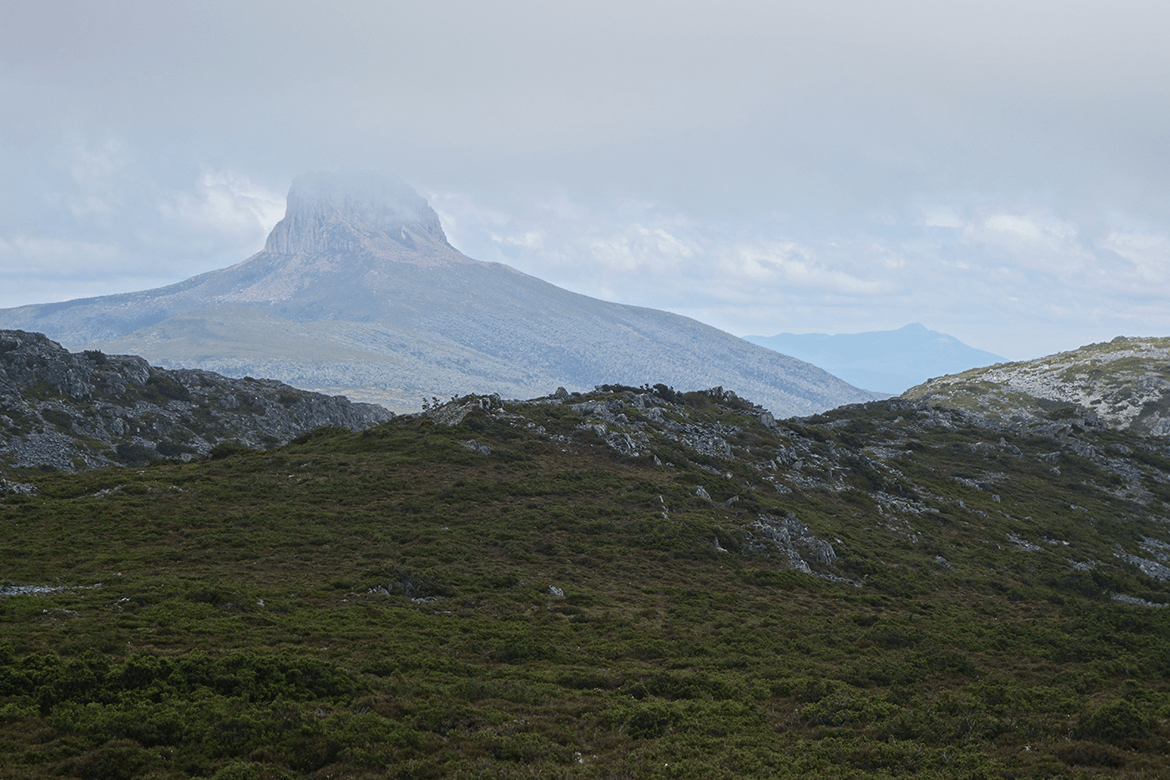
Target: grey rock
[1151,569]
[622,443]
[18,488]
[1123,384]
[1134,600]
[40,590]
[1023,544]
[457,410]
[475,446]
[795,541]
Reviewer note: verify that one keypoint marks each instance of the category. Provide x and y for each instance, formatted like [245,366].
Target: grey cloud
[833,166]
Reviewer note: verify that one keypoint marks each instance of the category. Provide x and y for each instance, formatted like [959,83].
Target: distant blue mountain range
[885,361]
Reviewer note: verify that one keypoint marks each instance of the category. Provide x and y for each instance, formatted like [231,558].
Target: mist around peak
[335,210]
[358,292]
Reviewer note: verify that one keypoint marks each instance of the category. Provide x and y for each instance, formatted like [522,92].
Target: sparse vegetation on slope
[630,583]
[1125,382]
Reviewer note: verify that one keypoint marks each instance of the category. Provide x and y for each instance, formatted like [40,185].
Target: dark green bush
[650,719]
[1120,722]
[134,454]
[228,449]
[161,388]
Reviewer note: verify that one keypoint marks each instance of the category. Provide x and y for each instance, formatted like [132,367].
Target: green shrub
[228,449]
[161,388]
[846,706]
[1120,722]
[134,454]
[1082,753]
[57,418]
[650,719]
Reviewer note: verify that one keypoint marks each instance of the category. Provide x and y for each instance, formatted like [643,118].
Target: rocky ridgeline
[86,410]
[1124,382]
[633,422]
[734,449]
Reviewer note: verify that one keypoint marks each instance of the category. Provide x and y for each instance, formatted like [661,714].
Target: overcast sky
[998,171]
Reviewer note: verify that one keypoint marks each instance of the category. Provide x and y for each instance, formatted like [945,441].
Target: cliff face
[87,410]
[353,212]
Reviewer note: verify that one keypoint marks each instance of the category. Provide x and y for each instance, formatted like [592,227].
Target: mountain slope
[889,361]
[361,264]
[1126,382]
[626,583]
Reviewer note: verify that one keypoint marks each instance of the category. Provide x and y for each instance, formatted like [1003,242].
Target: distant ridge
[90,410]
[358,292]
[886,361]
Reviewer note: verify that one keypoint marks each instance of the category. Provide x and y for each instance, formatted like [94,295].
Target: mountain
[357,291]
[1125,383]
[625,583]
[887,361]
[80,411]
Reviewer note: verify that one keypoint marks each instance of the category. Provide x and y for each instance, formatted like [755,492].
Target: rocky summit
[358,292]
[1123,383]
[74,411]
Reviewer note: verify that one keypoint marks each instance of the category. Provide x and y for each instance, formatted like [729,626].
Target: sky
[997,171]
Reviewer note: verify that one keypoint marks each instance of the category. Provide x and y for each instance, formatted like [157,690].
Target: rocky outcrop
[85,410]
[793,540]
[1124,384]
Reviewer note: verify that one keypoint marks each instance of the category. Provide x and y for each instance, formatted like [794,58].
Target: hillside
[887,361]
[1125,382]
[80,411]
[357,292]
[633,582]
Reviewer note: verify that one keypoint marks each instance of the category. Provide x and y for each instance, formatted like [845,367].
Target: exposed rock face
[353,212]
[791,538]
[1124,383]
[358,292]
[90,409]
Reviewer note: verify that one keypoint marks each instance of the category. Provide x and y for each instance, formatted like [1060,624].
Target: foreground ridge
[632,581]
